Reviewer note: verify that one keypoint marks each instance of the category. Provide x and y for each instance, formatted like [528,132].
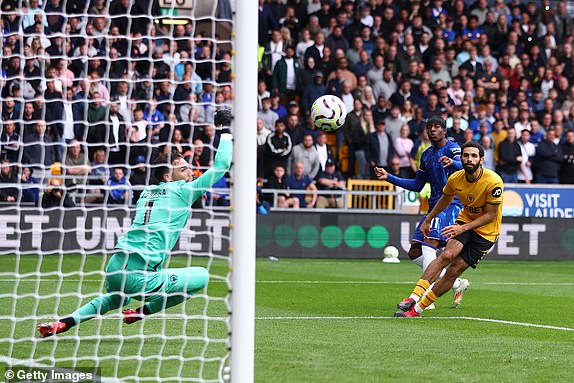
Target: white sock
[418,309]
[429,255]
[418,261]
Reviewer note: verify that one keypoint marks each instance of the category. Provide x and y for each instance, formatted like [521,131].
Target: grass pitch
[317,321]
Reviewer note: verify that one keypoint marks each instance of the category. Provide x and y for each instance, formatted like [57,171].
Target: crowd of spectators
[499,72]
[94,92]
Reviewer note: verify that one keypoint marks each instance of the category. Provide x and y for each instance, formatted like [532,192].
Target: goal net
[93,93]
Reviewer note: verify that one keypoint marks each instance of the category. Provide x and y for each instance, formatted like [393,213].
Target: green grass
[362,343]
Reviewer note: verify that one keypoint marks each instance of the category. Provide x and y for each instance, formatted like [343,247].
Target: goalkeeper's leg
[116,282]
[179,285]
[97,306]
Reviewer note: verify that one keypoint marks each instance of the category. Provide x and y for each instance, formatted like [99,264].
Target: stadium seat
[369,201]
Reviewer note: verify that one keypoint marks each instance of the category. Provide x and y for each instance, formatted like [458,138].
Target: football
[328,113]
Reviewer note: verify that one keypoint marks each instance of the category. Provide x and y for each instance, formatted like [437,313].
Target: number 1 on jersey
[147,215]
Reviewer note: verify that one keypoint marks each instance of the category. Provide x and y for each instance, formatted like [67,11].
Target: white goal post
[244,194]
[53,258]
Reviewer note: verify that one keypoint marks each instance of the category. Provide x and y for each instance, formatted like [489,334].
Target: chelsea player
[437,163]
[136,270]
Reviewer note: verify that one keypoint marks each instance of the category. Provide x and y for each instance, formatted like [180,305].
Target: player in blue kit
[136,270]
[437,163]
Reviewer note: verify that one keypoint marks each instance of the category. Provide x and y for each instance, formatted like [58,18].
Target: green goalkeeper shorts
[149,286]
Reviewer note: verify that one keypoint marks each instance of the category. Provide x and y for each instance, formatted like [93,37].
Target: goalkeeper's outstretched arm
[221,165]
[222,161]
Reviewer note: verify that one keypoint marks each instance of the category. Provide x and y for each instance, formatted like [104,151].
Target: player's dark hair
[436,120]
[162,165]
[474,144]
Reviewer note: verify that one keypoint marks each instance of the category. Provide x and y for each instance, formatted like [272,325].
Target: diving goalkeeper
[135,271]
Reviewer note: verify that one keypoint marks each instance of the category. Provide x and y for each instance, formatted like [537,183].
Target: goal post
[244,194]
[132,57]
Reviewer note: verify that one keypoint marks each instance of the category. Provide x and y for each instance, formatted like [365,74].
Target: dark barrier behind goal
[279,234]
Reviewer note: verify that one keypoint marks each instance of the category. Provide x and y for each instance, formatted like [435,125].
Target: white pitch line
[525,324]
[333,317]
[31,363]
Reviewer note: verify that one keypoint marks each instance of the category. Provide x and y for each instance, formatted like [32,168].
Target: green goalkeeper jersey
[162,212]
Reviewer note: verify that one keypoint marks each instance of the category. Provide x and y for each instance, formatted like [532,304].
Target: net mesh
[93,94]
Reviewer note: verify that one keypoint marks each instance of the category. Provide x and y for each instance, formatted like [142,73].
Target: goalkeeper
[135,271]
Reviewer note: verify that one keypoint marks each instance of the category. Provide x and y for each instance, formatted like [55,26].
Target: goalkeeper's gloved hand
[222,120]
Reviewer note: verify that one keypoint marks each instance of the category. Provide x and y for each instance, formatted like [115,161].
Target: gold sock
[422,286]
[428,300]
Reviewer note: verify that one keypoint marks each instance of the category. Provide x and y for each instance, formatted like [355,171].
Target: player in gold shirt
[476,230]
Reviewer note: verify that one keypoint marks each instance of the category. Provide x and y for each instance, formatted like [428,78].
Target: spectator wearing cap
[313,91]
[549,158]
[285,74]
[330,179]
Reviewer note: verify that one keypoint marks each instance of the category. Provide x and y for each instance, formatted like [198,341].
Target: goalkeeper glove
[222,120]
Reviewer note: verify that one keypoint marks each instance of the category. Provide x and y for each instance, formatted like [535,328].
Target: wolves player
[475,231]
[437,163]
[135,270]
